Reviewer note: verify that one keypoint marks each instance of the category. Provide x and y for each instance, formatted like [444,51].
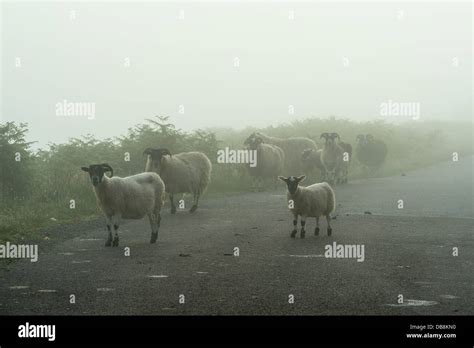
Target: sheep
[370,152]
[347,157]
[292,148]
[270,161]
[311,160]
[186,172]
[311,201]
[332,158]
[131,197]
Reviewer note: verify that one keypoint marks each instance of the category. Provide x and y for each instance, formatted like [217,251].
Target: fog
[207,64]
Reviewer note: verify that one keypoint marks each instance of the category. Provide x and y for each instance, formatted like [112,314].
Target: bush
[41,185]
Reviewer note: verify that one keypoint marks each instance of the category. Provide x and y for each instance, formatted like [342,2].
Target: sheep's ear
[86,169]
[301,178]
[282,178]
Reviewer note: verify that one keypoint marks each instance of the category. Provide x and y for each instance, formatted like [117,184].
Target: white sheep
[292,148]
[131,197]
[311,201]
[270,161]
[186,172]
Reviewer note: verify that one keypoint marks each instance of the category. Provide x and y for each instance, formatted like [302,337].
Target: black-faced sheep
[346,160]
[270,161]
[311,160]
[332,158]
[186,172]
[312,201]
[292,148]
[131,197]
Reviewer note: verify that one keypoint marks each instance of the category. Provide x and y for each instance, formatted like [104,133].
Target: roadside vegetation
[46,187]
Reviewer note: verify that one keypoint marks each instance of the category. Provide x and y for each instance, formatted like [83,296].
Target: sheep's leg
[155,220]
[173,207]
[328,219]
[303,223]
[108,242]
[195,202]
[115,242]
[316,230]
[295,223]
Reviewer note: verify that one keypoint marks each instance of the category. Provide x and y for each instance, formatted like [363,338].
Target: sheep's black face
[155,156]
[96,172]
[331,140]
[155,160]
[292,182]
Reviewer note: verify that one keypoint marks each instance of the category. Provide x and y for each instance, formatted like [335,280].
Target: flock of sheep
[297,155]
[142,194]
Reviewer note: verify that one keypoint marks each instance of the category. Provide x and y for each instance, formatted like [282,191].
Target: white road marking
[449,297]
[47,290]
[89,239]
[15,287]
[158,276]
[424,283]
[414,303]
[82,261]
[105,289]
[66,254]
[310,255]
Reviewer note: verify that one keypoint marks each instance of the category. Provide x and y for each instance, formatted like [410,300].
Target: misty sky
[339,58]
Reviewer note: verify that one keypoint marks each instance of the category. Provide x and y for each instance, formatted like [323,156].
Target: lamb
[131,197]
[311,201]
[332,158]
[292,148]
[186,172]
[370,152]
[270,161]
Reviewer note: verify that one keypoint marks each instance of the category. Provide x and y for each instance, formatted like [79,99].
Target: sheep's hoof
[193,209]
[302,233]
[108,242]
[316,231]
[329,231]
[154,237]
[293,233]
[115,243]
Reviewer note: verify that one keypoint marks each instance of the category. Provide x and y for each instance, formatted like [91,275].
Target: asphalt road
[408,252]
